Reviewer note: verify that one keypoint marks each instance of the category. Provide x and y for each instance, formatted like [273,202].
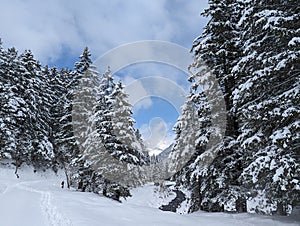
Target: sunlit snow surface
[38,200]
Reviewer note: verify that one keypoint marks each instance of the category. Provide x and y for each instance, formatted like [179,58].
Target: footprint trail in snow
[53,216]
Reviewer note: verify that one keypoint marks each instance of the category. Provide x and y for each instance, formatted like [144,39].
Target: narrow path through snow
[54,217]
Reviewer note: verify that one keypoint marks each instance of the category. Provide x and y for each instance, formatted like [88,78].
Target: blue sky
[58,30]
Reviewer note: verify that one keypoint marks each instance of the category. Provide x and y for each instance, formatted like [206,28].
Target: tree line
[51,119]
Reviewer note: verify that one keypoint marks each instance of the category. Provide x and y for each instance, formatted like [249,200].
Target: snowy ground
[38,200]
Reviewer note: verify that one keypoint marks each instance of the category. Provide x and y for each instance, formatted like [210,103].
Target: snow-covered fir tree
[70,84]
[85,62]
[131,148]
[120,149]
[37,96]
[66,145]
[58,81]
[25,111]
[88,140]
[66,119]
[258,158]
[267,101]
[98,166]
[13,109]
[104,122]
[186,129]
[219,48]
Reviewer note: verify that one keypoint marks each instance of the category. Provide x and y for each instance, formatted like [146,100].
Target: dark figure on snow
[62,184]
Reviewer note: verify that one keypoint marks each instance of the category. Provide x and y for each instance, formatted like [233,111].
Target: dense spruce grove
[38,116]
[253,48]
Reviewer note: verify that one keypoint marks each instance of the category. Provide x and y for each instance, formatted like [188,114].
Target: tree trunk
[67,177]
[281,210]
[16,171]
[17,164]
[241,205]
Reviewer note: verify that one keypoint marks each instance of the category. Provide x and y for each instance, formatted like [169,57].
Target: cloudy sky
[58,30]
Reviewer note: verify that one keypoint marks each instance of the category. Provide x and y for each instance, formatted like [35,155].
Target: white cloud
[145,131]
[158,129]
[157,134]
[142,104]
[163,88]
[138,96]
[51,27]
[155,69]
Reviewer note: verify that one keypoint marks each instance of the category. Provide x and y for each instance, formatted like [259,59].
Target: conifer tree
[84,63]
[219,48]
[105,111]
[266,100]
[186,130]
[15,112]
[67,147]
[258,157]
[130,149]
[36,95]
[13,109]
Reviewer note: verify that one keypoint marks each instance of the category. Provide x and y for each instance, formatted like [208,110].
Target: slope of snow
[38,200]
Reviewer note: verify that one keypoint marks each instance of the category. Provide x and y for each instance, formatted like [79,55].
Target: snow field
[36,199]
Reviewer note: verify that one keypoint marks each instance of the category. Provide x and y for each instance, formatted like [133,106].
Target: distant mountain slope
[165,153]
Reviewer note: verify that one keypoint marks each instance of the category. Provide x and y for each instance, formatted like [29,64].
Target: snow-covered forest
[68,120]
[47,122]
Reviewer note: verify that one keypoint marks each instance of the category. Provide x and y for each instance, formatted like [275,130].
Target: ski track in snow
[54,217]
[3,188]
